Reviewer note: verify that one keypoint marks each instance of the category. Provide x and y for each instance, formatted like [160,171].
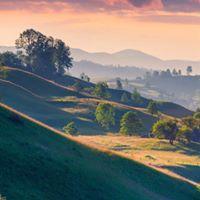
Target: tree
[189,70]
[105,115]
[101,90]
[62,59]
[167,129]
[136,97]
[152,108]
[10,59]
[119,84]
[130,124]
[70,128]
[174,72]
[179,72]
[84,77]
[124,98]
[43,55]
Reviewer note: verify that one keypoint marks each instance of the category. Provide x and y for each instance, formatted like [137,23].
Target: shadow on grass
[189,149]
[190,172]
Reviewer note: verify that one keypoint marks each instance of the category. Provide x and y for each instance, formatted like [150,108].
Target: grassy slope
[29,93]
[177,160]
[39,109]
[44,88]
[37,163]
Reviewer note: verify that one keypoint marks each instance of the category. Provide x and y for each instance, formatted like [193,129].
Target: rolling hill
[56,105]
[40,163]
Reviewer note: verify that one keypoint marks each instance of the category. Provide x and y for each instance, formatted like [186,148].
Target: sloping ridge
[38,162]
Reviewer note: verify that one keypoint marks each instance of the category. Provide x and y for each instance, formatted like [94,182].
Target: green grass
[37,163]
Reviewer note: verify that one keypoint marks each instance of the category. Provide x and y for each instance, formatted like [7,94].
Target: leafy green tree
[130,124]
[167,129]
[119,84]
[136,97]
[43,55]
[70,128]
[125,98]
[152,108]
[10,59]
[62,59]
[101,90]
[105,115]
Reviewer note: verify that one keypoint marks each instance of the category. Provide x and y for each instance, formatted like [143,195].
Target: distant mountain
[131,57]
[104,72]
[127,57]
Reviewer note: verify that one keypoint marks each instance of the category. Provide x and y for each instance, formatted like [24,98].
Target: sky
[169,29]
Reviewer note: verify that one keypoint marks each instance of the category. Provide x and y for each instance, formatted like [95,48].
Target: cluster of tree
[39,54]
[130,123]
[186,130]
[10,59]
[167,73]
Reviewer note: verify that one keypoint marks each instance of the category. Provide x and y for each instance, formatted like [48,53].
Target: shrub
[70,128]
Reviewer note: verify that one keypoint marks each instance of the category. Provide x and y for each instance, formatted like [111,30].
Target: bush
[105,115]
[70,128]
[130,124]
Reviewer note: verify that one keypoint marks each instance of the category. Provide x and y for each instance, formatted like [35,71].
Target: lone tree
[136,97]
[130,124]
[105,115]
[166,129]
[101,90]
[43,55]
[152,108]
[119,84]
[189,70]
[10,59]
[70,128]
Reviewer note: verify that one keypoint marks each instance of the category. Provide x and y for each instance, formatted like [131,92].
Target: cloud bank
[187,6]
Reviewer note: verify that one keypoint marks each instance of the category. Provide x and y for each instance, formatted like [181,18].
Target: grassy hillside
[56,105]
[38,163]
[60,88]
[178,160]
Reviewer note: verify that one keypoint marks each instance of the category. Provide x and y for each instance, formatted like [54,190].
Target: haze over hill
[127,57]
[136,58]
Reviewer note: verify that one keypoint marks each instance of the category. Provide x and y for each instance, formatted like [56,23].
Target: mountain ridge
[127,57]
